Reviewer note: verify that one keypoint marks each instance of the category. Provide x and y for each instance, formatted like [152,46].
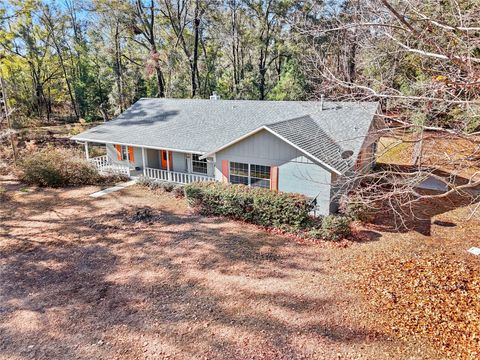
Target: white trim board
[79,140]
[264,127]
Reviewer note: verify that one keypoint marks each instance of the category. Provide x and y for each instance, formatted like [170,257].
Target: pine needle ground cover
[436,297]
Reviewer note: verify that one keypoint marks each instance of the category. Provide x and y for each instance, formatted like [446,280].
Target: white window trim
[249,173]
[230,171]
[191,165]
[250,177]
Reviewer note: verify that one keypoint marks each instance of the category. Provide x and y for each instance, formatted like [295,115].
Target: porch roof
[202,126]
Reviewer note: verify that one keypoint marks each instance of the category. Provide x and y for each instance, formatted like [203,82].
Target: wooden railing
[174,176]
[99,161]
[105,166]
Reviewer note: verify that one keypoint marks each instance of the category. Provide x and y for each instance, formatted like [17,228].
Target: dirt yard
[85,278]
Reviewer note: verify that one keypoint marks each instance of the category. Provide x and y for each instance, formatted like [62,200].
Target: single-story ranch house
[291,146]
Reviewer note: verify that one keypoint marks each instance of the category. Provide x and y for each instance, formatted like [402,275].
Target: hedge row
[256,205]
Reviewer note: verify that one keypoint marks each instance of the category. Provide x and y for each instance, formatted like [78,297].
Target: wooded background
[72,59]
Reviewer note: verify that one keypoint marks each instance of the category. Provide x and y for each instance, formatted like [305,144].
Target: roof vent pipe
[214,96]
[321,101]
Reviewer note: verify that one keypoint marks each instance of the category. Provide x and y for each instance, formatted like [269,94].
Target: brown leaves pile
[434,296]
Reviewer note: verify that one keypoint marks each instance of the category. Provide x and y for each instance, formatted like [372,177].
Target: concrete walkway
[113,189]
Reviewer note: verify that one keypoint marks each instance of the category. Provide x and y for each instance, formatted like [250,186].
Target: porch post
[144,162]
[189,162]
[87,156]
[168,166]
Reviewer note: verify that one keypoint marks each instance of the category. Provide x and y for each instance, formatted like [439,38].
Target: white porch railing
[105,166]
[176,177]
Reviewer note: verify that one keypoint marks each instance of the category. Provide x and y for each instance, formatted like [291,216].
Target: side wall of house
[296,172]
[367,157]
[366,160]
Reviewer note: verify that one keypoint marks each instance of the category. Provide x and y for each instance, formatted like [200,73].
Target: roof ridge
[287,120]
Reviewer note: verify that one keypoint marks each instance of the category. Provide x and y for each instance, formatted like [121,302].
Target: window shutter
[130,154]
[118,148]
[170,160]
[274,178]
[225,170]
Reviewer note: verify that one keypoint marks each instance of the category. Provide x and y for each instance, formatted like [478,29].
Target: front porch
[161,165]
[174,176]
[105,167]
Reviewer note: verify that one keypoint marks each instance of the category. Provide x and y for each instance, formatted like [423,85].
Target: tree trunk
[261,74]
[62,64]
[160,80]
[118,67]
[103,111]
[148,32]
[195,50]
[235,52]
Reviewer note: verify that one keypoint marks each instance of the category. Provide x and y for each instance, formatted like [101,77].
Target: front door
[163,157]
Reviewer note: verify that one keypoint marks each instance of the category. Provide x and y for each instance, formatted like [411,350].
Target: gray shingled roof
[305,133]
[201,126]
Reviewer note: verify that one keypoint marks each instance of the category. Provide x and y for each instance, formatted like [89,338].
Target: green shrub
[255,205]
[60,167]
[315,233]
[335,227]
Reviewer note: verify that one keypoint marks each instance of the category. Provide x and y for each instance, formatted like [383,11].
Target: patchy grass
[393,151]
[100,277]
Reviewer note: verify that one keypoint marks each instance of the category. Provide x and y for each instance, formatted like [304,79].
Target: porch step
[113,189]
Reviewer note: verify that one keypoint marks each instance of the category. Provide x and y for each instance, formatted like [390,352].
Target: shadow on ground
[420,215]
[80,281]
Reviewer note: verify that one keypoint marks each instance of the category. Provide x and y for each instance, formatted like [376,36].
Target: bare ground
[81,279]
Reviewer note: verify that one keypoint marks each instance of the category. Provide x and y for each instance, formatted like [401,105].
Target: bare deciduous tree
[420,60]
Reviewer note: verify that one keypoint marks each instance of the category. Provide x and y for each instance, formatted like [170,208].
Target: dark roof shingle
[200,126]
[306,134]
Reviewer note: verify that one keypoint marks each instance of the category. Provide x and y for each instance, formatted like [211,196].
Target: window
[238,173]
[199,166]
[260,176]
[250,174]
[124,152]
